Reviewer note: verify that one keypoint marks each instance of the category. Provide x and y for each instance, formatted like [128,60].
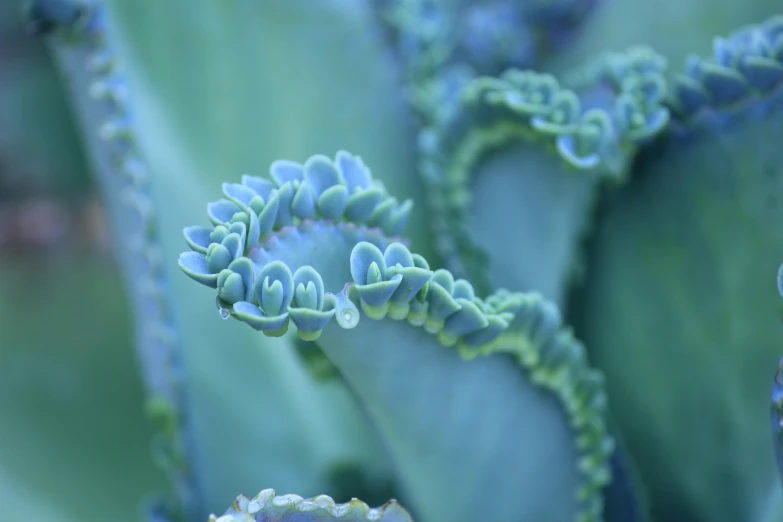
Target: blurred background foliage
[71,401]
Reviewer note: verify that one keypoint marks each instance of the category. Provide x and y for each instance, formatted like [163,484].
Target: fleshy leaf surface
[449,385]
[691,234]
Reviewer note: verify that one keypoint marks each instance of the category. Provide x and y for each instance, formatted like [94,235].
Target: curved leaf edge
[557,362]
[626,497]
[268,295]
[268,504]
[745,70]
[533,108]
[80,45]
[389,282]
[255,211]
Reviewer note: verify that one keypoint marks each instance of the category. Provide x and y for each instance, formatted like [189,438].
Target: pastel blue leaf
[274,287]
[397,254]
[284,171]
[363,255]
[378,294]
[219,256]
[285,196]
[234,244]
[467,320]
[322,174]
[495,326]
[361,205]
[413,280]
[231,288]
[690,94]
[462,289]
[309,279]
[253,230]
[272,296]
[303,205]
[764,74]
[268,216]
[382,214]
[221,212]
[195,266]
[198,238]
[310,323]
[724,52]
[443,278]
[354,171]
[262,187]
[239,194]
[726,86]
[567,146]
[252,315]
[374,274]
[442,304]
[398,219]
[219,234]
[306,296]
[332,202]
[245,269]
[549,320]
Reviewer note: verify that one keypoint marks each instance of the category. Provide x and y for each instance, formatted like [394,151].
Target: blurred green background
[71,400]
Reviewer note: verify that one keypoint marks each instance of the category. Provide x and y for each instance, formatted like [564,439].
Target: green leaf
[679,291]
[520,145]
[462,433]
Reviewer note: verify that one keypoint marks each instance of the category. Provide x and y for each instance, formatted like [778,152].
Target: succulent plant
[406,303]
